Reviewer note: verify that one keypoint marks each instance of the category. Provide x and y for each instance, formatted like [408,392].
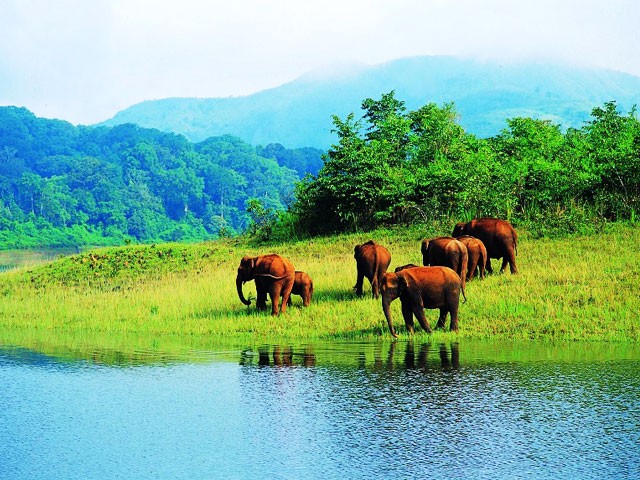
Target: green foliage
[62,185]
[58,181]
[396,167]
[262,219]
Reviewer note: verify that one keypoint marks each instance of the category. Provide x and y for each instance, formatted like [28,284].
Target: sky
[85,60]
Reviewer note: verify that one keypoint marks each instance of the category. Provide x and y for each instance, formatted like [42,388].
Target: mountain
[485,93]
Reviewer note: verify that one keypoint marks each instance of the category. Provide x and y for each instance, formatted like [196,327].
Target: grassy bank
[582,288]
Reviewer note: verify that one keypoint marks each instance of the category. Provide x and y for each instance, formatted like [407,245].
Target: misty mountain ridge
[485,93]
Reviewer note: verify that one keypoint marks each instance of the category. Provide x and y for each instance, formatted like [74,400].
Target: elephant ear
[248,263]
[402,284]
[425,246]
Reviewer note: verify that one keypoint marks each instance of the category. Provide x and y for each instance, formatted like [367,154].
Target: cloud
[84,61]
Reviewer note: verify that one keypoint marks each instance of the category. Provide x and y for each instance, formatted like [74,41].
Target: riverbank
[577,289]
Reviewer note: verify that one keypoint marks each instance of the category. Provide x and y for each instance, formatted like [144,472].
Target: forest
[79,186]
[391,166]
[75,186]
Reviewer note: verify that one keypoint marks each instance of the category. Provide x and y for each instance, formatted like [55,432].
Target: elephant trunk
[386,304]
[239,283]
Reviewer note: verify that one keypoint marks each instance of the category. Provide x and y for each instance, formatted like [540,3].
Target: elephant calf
[303,286]
[419,288]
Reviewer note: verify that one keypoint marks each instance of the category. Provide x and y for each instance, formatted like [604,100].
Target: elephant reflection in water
[449,357]
[279,356]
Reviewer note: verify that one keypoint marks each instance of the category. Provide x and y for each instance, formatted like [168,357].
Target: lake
[328,410]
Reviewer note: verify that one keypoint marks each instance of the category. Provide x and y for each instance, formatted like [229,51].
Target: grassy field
[583,288]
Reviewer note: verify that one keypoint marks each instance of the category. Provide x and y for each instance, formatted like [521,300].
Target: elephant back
[495,234]
[274,265]
[372,253]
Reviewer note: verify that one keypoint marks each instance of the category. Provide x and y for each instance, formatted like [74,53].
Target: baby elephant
[303,286]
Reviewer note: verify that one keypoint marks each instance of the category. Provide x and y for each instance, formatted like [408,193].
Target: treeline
[394,166]
[62,185]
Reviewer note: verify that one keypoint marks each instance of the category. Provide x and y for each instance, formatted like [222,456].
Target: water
[324,411]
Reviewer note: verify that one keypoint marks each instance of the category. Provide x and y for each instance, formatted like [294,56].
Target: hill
[298,114]
[66,185]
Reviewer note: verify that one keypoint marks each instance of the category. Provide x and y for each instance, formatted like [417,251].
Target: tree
[532,151]
[613,156]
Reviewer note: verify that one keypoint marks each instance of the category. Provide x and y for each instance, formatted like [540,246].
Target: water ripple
[381,411]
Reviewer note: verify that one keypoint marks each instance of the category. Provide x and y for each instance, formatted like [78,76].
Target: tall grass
[579,288]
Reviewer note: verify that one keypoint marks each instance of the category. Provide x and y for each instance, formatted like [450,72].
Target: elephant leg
[471,270]
[407,314]
[306,297]
[418,311]
[512,261]
[505,262]
[375,286]
[286,293]
[358,285]
[442,318]
[453,310]
[261,299]
[274,293]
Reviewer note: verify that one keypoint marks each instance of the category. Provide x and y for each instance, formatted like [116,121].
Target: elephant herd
[449,262]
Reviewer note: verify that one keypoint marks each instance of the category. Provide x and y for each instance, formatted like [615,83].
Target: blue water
[347,411]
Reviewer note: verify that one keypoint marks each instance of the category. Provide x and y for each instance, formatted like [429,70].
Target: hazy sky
[84,60]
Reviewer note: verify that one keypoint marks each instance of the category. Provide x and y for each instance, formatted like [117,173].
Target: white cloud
[84,61]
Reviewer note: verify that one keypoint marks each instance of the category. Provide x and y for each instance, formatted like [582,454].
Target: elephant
[477,255]
[499,238]
[273,274]
[372,261]
[420,288]
[303,286]
[446,252]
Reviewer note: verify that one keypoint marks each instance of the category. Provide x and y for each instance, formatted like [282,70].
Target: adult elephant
[273,274]
[477,255]
[446,252]
[419,288]
[499,238]
[303,286]
[372,261]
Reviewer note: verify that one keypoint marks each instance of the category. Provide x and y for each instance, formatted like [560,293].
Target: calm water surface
[399,410]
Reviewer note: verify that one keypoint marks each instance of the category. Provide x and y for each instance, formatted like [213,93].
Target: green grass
[583,288]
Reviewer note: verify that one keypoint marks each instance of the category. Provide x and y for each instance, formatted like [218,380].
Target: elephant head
[459,229]
[393,286]
[357,249]
[246,273]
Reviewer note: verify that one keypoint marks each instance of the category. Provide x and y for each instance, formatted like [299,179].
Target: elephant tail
[271,276]
[462,290]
